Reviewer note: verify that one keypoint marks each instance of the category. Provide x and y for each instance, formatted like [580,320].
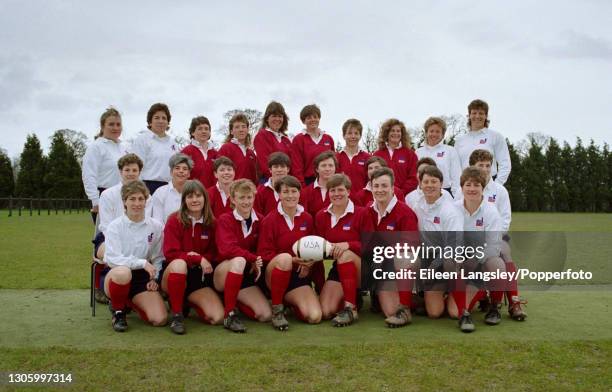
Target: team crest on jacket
[401,160]
[436,219]
[347,226]
[326,143]
[492,198]
[440,154]
[150,238]
[391,226]
[483,141]
[204,235]
[361,163]
[303,226]
[480,222]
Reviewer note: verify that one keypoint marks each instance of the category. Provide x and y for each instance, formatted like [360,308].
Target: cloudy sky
[542,66]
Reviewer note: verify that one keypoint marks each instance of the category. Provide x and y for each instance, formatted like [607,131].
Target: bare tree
[254,116]
[370,140]
[77,140]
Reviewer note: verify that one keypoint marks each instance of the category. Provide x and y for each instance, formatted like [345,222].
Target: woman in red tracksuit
[271,137]
[189,248]
[238,148]
[201,151]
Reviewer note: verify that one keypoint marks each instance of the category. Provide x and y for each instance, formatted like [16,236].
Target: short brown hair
[376,158]
[385,128]
[352,123]
[223,161]
[241,118]
[243,185]
[279,158]
[128,159]
[288,181]
[324,156]
[476,105]
[191,187]
[134,187]
[383,171]
[337,180]
[158,107]
[276,108]
[310,110]
[435,121]
[110,112]
[474,174]
[198,121]
[427,161]
[432,171]
[480,156]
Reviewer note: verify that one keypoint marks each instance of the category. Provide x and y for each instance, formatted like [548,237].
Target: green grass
[566,344]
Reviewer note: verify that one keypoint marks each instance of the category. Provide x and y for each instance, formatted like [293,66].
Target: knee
[264,314]
[314,316]
[216,319]
[347,256]
[237,265]
[121,275]
[284,261]
[157,319]
[178,266]
[435,313]
[453,312]
[495,264]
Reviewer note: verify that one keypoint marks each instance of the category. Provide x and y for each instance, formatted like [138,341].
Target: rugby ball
[312,248]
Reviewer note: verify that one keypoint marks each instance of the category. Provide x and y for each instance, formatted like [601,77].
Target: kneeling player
[189,245]
[341,224]
[286,275]
[237,274]
[364,197]
[133,252]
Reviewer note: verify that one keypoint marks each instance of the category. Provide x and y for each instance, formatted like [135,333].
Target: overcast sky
[543,66]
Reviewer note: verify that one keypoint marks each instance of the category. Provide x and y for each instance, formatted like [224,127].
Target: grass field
[566,344]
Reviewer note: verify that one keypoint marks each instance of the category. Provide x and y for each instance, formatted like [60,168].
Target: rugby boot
[119,321]
[515,309]
[345,317]
[100,297]
[233,323]
[401,318]
[466,324]
[493,316]
[177,325]
[278,318]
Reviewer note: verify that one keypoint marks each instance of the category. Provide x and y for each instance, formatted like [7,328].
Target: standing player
[237,275]
[219,193]
[167,198]
[496,194]
[100,159]
[395,147]
[266,199]
[308,144]
[445,156]
[189,247]
[286,275]
[315,196]
[271,137]
[237,147]
[341,224]
[352,160]
[155,147]
[134,254]
[201,151]
[364,197]
[481,137]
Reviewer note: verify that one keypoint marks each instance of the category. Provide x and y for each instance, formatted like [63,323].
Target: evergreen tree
[63,176]
[7,181]
[568,175]
[596,178]
[536,186]
[607,158]
[583,190]
[514,184]
[558,191]
[31,169]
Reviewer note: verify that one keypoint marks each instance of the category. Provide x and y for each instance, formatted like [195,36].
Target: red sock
[496,296]
[405,292]
[247,311]
[318,275]
[348,278]
[97,272]
[279,281]
[176,291]
[201,313]
[230,292]
[459,296]
[477,297]
[513,284]
[118,294]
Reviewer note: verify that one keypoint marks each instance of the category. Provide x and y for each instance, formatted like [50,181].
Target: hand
[152,285]
[303,270]
[256,268]
[206,266]
[94,209]
[150,269]
[338,249]
[192,253]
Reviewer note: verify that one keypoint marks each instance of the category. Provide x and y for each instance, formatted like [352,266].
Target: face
[180,173]
[278,171]
[485,167]
[135,204]
[289,197]
[112,128]
[382,190]
[326,169]
[159,122]
[472,190]
[434,134]
[395,135]
[338,195]
[431,186]
[275,122]
[225,174]
[477,118]
[312,122]
[195,202]
[240,131]
[130,172]
[202,133]
[372,167]
[243,201]
[352,137]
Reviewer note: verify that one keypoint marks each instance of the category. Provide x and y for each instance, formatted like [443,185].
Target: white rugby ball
[312,248]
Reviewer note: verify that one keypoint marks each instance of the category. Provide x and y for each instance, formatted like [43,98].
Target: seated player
[479,216]
[341,224]
[388,214]
[395,147]
[286,275]
[219,193]
[352,160]
[413,197]
[266,199]
[364,197]
[240,269]
[134,255]
[440,225]
[189,247]
[167,198]
[239,149]
[495,193]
